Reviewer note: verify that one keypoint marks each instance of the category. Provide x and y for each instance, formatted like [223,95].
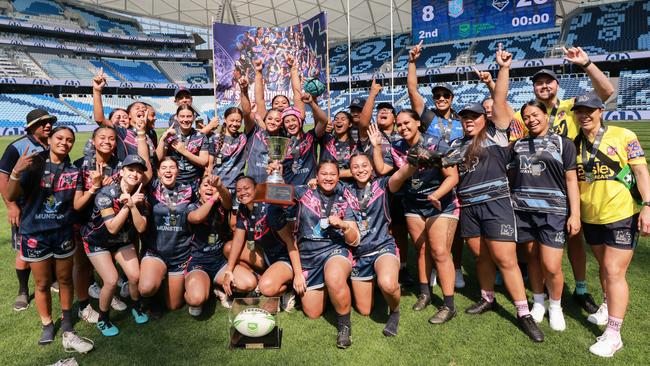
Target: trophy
[253,323]
[275,191]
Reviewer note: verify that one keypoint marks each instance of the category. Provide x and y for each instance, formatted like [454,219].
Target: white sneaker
[124,291]
[460,281]
[556,318]
[93,290]
[538,310]
[433,278]
[600,317]
[72,343]
[225,300]
[606,345]
[195,310]
[118,304]
[288,300]
[88,314]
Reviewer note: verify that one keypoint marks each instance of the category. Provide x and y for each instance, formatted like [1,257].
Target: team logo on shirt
[507,230]
[526,166]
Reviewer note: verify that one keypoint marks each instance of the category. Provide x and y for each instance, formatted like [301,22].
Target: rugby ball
[254,322]
[314,87]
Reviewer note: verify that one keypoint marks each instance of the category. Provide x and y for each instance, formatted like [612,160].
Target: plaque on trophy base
[253,323]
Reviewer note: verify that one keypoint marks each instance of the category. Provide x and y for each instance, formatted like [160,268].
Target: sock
[137,304]
[523,267]
[555,303]
[604,298]
[23,280]
[48,334]
[424,289]
[344,319]
[83,304]
[392,323]
[614,326]
[522,308]
[487,295]
[449,301]
[402,265]
[581,287]
[104,315]
[538,298]
[66,321]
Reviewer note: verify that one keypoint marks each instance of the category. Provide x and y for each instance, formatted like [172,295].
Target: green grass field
[493,338]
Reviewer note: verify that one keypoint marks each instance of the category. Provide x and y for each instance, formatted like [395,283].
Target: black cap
[134,160]
[181,90]
[445,86]
[544,72]
[473,107]
[386,105]
[589,100]
[357,103]
[38,115]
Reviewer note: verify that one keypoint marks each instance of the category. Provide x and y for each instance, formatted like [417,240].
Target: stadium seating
[16,106]
[103,22]
[532,46]
[185,72]
[617,27]
[69,68]
[135,71]
[634,90]
[36,7]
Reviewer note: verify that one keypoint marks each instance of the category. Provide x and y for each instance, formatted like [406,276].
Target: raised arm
[296,85]
[249,118]
[602,86]
[400,176]
[417,102]
[486,78]
[366,113]
[259,87]
[502,114]
[99,82]
[320,117]
[377,154]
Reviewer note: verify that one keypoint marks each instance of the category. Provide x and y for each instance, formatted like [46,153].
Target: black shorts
[212,267]
[41,246]
[363,267]
[92,250]
[544,228]
[175,268]
[623,234]
[492,220]
[313,268]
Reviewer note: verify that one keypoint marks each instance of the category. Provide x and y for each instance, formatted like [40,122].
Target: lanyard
[551,118]
[445,131]
[47,174]
[364,200]
[250,233]
[171,198]
[325,212]
[535,155]
[590,160]
[340,155]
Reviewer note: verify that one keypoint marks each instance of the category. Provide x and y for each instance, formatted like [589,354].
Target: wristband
[13,177]
[645,203]
[92,190]
[586,64]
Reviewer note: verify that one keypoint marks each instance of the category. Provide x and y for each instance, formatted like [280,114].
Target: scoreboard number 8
[427,13]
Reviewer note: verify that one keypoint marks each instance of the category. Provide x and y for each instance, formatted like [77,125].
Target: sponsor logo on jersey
[623,237]
[32,243]
[526,165]
[559,237]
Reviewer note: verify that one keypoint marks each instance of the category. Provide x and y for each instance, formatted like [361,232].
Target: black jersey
[194,142]
[299,165]
[229,161]
[209,236]
[371,207]
[261,225]
[85,165]
[334,149]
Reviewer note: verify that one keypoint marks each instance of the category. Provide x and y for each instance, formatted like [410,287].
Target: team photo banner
[236,47]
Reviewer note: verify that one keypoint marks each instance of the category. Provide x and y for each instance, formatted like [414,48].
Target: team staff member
[119,214]
[325,229]
[38,128]
[46,183]
[168,236]
[564,122]
[609,158]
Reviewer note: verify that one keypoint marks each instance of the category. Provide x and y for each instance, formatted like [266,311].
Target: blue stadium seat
[16,107]
[136,71]
[634,90]
[35,7]
[532,46]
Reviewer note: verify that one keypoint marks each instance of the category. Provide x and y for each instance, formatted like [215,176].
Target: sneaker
[405,277]
[22,302]
[601,315]
[433,278]
[343,340]
[606,345]
[586,301]
[72,342]
[223,298]
[288,300]
[537,311]
[481,307]
[107,328]
[460,281]
[124,291]
[118,304]
[139,316]
[528,325]
[556,318]
[422,302]
[194,310]
[93,290]
[443,315]
[66,362]
[54,287]
[88,314]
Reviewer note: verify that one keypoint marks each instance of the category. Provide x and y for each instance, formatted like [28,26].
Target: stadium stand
[16,106]
[522,47]
[69,68]
[102,22]
[185,72]
[136,71]
[634,90]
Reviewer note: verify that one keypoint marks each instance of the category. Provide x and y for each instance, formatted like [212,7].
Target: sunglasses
[441,95]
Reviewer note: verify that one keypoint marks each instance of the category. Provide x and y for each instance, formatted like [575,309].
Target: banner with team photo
[236,47]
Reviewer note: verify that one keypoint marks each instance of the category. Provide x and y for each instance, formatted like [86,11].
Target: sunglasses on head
[441,95]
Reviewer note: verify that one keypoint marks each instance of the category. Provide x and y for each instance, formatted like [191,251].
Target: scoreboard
[437,21]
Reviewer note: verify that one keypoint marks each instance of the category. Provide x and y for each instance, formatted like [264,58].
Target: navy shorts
[450,210]
[492,220]
[314,268]
[211,266]
[363,267]
[92,250]
[623,234]
[174,268]
[41,246]
[544,228]
[277,256]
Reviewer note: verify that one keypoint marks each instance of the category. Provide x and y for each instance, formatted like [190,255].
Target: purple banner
[236,47]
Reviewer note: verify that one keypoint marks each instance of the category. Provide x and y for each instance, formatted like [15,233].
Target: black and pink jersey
[87,164]
[387,142]
[229,161]
[258,154]
[209,236]
[261,225]
[168,232]
[484,178]
[371,207]
[48,195]
[194,142]
[331,148]
[299,165]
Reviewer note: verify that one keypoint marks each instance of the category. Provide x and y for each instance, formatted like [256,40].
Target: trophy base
[272,340]
[274,193]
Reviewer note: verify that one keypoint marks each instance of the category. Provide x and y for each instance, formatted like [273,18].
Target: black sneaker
[528,325]
[443,315]
[481,307]
[405,277]
[423,301]
[22,302]
[586,301]
[343,340]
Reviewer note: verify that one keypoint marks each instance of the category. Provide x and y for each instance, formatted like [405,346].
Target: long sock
[581,287]
[393,323]
[449,302]
[487,295]
[425,289]
[614,326]
[83,304]
[522,308]
[555,303]
[137,304]
[47,336]
[604,298]
[23,280]
[104,316]
[402,265]
[344,319]
[66,321]
[538,298]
